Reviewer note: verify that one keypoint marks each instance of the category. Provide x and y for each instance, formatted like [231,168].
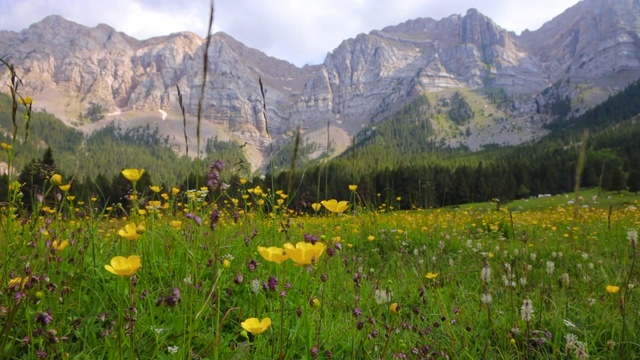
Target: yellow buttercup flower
[273,254]
[371,237]
[431,275]
[243,181]
[6,146]
[315,303]
[335,206]
[175,191]
[226,263]
[58,245]
[316,207]
[176,224]
[255,326]
[130,232]
[64,188]
[17,281]
[122,266]
[612,289]
[394,308]
[133,175]
[353,187]
[26,101]
[304,253]
[56,180]
[155,188]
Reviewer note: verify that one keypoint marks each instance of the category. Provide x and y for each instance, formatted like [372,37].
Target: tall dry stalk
[205,70]
[184,120]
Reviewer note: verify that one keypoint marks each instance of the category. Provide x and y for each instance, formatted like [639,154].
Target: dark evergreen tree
[633,181]
[617,180]
[460,111]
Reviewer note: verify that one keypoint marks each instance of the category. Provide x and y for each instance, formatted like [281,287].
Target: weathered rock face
[593,40]
[67,66]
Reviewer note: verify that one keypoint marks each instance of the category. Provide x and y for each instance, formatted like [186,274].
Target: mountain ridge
[66,67]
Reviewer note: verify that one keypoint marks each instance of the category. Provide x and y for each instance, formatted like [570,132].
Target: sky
[299,31]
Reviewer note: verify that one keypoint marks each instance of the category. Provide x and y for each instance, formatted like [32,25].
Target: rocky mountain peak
[595,39]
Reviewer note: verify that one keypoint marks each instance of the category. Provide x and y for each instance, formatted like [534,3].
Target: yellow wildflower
[122,266]
[394,308]
[304,253]
[129,232]
[273,254]
[133,175]
[58,245]
[56,180]
[255,326]
[334,206]
[612,289]
[431,275]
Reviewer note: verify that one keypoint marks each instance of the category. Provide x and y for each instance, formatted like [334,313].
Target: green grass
[197,284]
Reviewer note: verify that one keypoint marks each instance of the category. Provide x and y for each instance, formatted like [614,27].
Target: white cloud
[300,31]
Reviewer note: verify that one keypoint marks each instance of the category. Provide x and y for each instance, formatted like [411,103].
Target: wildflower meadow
[198,274]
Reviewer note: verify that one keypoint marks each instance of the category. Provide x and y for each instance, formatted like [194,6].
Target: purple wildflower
[215,217]
[195,218]
[44,318]
[252,265]
[272,284]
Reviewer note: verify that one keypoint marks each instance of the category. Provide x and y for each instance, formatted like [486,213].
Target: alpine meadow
[437,189]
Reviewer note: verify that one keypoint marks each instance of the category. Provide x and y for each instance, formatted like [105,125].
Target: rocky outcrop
[67,66]
[595,40]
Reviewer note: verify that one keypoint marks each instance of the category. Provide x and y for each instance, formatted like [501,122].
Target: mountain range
[573,62]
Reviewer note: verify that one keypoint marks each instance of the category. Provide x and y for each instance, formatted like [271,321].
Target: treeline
[612,160]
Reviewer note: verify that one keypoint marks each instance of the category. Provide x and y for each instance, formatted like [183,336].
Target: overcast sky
[299,31]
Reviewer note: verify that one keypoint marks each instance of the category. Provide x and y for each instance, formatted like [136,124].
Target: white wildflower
[172,350]
[486,298]
[485,274]
[632,236]
[551,266]
[255,286]
[571,340]
[383,296]
[533,256]
[526,310]
[568,323]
